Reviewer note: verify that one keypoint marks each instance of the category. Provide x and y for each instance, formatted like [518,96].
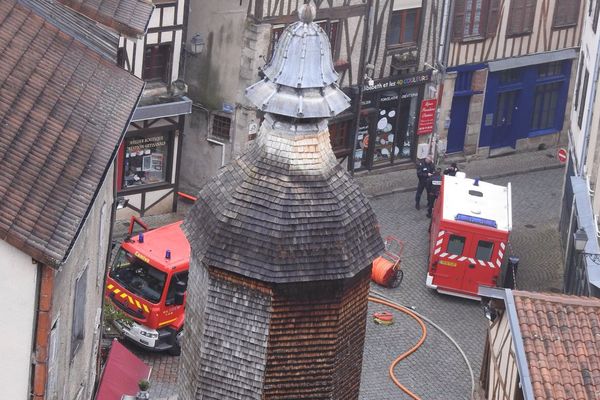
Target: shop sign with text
[426,116]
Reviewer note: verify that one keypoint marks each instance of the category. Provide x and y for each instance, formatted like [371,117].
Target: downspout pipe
[588,119]
[446,24]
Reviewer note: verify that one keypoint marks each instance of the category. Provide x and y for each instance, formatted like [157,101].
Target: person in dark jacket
[434,183]
[425,169]
[451,170]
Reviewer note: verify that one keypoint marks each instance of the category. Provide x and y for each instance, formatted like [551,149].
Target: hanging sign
[427,116]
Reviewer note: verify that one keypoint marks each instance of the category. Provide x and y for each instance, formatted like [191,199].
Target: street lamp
[580,239]
[196,45]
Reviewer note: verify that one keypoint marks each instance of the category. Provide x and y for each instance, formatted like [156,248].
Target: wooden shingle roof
[129,17]
[285,211]
[561,337]
[63,111]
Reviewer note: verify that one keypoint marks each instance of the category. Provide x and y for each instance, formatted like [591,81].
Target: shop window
[475,19]
[583,97]
[157,63]
[146,159]
[78,322]
[545,105]
[456,245]
[520,17]
[550,69]
[484,250]
[509,76]
[404,27]
[566,13]
[221,126]
[339,135]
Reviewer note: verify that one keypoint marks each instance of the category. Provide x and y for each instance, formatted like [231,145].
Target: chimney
[282,245]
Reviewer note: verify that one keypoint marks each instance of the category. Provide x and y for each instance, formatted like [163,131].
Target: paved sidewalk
[378,183]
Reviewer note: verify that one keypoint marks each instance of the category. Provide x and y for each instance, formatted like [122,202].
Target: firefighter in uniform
[451,170]
[425,169]
[433,189]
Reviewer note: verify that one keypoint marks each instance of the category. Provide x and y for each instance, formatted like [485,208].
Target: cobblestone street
[437,370]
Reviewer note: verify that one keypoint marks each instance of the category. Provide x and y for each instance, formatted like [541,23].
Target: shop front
[387,121]
[148,159]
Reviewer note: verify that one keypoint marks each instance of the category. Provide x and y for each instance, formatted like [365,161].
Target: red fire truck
[148,282]
[470,226]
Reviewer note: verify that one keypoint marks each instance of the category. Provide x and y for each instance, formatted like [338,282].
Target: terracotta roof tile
[129,17]
[63,110]
[561,337]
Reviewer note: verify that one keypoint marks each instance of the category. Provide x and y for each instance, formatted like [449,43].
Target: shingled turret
[282,244]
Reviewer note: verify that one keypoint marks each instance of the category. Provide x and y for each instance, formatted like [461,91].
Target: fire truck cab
[148,282]
[470,227]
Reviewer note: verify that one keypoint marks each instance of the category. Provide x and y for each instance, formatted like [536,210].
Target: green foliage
[112,314]
[144,384]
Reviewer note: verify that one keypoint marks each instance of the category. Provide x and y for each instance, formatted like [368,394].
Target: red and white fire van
[470,226]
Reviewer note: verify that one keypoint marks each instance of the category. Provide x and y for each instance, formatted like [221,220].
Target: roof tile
[63,111]
[560,336]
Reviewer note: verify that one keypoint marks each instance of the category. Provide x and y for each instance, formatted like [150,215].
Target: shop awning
[122,372]
[180,106]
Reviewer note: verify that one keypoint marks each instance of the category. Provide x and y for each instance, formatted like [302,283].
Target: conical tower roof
[300,80]
[286,210]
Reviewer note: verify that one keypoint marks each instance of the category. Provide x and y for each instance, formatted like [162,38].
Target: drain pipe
[588,119]
[446,23]
[216,142]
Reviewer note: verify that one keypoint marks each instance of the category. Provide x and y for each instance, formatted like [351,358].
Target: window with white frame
[78,321]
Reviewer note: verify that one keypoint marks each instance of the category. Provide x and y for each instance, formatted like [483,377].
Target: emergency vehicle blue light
[476,220]
[141,238]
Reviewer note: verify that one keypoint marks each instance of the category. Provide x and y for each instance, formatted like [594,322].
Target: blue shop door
[458,123]
[504,134]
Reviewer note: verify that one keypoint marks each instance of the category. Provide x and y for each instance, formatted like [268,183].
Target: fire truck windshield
[138,277]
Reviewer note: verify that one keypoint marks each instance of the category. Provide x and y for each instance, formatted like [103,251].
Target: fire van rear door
[484,267]
[450,266]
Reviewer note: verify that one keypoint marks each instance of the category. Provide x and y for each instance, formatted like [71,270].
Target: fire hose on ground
[380,298]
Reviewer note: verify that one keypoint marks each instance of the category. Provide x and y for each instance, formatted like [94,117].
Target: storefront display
[145,159]
[386,129]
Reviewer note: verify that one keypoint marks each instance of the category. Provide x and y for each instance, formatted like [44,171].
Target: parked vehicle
[148,282]
[470,229]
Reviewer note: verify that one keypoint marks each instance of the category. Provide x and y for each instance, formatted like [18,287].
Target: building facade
[149,159]
[380,50]
[65,109]
[509,69]
[581,207]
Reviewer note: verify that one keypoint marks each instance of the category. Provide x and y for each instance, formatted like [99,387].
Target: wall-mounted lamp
[580,239]
[196,44]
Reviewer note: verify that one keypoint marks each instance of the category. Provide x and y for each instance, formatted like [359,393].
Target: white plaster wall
[18,292]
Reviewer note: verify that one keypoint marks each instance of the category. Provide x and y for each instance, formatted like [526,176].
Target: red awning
[122,372]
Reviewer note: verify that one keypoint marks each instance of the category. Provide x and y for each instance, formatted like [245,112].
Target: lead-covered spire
[300,80]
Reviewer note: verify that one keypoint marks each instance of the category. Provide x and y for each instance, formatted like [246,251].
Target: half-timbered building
[149,158]
[379,48]
[509,65]
[540,346]
[580,202]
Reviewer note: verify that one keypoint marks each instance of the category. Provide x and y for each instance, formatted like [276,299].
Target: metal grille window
[78,323]
[404,27]
[484,250]
[456,245]
[545,105]
[521,17]
[221,126]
